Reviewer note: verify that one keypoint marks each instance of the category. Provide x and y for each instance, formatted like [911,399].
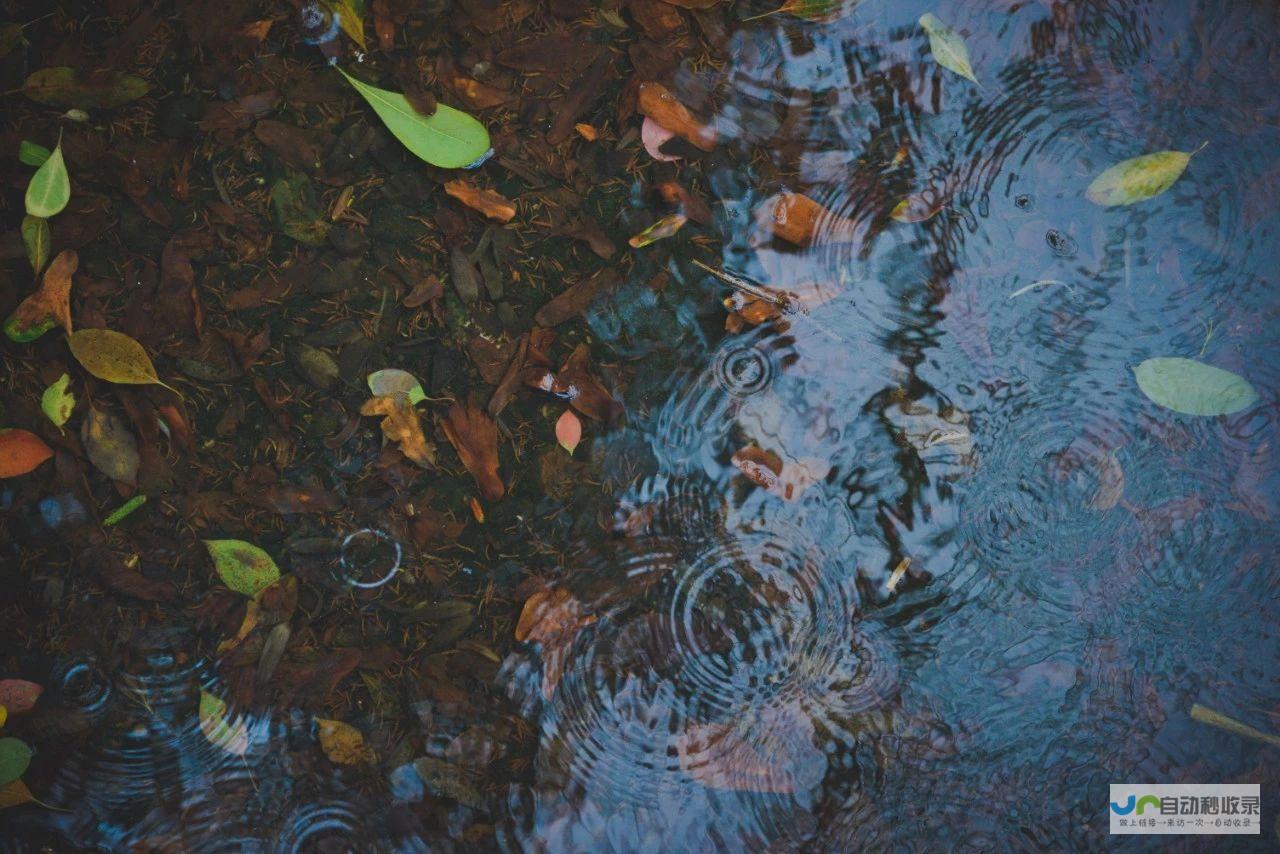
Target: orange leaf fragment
[400,424]
[800,220]
[656,102]
[786,480]
[21,451]
[491,204]
[51,300]
[474,435]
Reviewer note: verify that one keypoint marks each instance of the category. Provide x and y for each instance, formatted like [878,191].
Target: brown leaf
[474,435]
[656,102]
[718,757]
[691,205]
[553,51]
[111,446]
[574,299]
[584,392]
[400,424]
[798,219]
[491,204]
[553,619]
[787,480]
[111,571]
[52,299]
[424,290]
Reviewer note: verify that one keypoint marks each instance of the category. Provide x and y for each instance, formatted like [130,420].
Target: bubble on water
[369,558]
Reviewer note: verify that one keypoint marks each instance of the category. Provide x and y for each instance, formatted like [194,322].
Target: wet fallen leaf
[400,424]
[586,131]
[351,18]
[551,618]
[65,87]
[15,794]
[242,566]
[568,430]
[818,11]
[446,780]
[343,743]
[1205,715]
[948,47]
[1139,178]
[122,512]
[574,299]
[110,445]
[787,480]
[389,381]
[49,305]
[918,208]
[56,402]
[719,757]
[37,238]
[1110,481]
[1193,388]
[293,203]
[50,188]
[19,695]
[663,228]
[448,138]
[656,102]
[114,357]
[272,653]
[21,451]
[653,136]
[800,220]
[474,435]
[491,204]
[15,756]
[895,577]
[232,738]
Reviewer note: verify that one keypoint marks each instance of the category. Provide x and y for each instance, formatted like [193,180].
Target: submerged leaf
[65,87]
[50,188]
[390,381]
[232,738]
[948,47]
[663,228]
[111,446]
[1193,388]
[1139,178]
[19,695]
[351,18]
[21,451]
[343,743]
[49,305]
[242,566]
[293,204]
[15,794]
[36,237]
[113,356]
[491,204]
[474,435]
[15,756]
[449,138]
[57,402]
[400,424]
[568,430]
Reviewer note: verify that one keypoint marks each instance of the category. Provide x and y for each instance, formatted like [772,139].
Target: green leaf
[392,380]
[449,138]
[242,566]
[1139,178]
[50,188]
[1193,388]
[64,87]
[122,512]
[293,201]
[15,331]
[57,402]
[32,154]
[37,238]
[949,49]
[10,37]
[15,756]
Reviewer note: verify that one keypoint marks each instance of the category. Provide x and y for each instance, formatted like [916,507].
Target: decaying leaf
[491,204]
[390,381]
[242,566]
[37,239]
[551,618]
[21,451]
[19,695]
[343,743]
[568,430]
[895,577]
[1193,388]
[800,220]
[656,102]
[113,356]
[49,305]
[1110,481]
[66,87]
[56,402]
[948,47]
[15,794]
[400,424]
[474,435]
[785,479]
[230,737]
[719,757]
[663,228]
[351,19]
[110,445]
[918,208]
[653,136]
[1139,178]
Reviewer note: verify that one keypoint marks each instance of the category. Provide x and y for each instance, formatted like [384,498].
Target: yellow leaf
[4,715]
[351,19]
[15,794]
[948,47]
[343,743]
[114,357]
[1139,178]
[232,738]
[665,227]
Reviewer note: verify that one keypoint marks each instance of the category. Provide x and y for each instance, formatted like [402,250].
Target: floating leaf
[449,138]
[343,743]
[19,695]
[400,424]
[949,49]
[49,305]
[242,566]
[568,430]
[111,446]
[50,188]
[15,756]
[1139,178]
[37,238]
[1193,388]
[15,794]
[114,357]
[232,738]
[64,87]
[57,402]
[21,451]
[32,154]
[390,381]
[120,513]
[663,228]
